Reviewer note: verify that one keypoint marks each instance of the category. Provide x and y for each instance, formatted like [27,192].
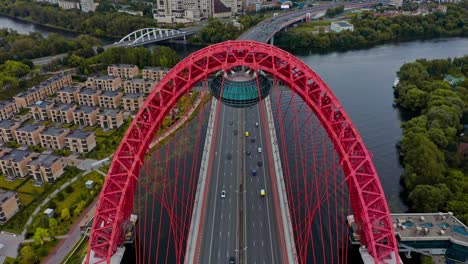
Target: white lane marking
[221,216]
[263,243]
[216,190]
[261,224]
[254,243]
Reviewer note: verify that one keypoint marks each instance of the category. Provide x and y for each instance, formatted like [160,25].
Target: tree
[52,225]
[27,254]
[427,199]
[40,234]
[65,214]
[413,72]
[14,68]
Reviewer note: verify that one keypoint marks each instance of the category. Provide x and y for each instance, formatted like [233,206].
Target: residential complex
[29,134]
[41,91]
[104,83]
[54,138]
[81,141]
[110,119]
[10,204]
[85,116]
[110,99]
[7,130]
[123,71]
[68,95]
[45,168]
[89,97]
[144,86]
[132,102]
[14,163]
[62,113]
[8,109]
[154,73]
[41,110]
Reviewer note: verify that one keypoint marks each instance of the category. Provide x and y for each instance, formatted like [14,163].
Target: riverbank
[46,26]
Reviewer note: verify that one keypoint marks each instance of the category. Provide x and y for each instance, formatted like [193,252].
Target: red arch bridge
[271,180]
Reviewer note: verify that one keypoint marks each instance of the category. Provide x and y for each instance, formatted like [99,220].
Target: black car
[236,132]
[229,156]
[232,260]
[252,140]
[259,163]
[230,122]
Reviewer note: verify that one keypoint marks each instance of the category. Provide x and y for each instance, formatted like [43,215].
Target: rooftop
[53,131]
[88,91]
[62,107]
[430,226]
[110,93]
[69,89]
[103,77]
[140,80]
[28,128]
[122,65]
[85,109]
[6,103]
[42,104]
[157,68]
[7,123]
[109,112]
[43,84]
[343,24]
[5,195]
[81,134]
[44,160]
[16,155]
[133,95]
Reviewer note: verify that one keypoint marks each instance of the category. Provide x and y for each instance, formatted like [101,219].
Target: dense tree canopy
[370,29]
[436,174]
[95,23]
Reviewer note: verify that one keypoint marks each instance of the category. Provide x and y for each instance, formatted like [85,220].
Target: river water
[362,80]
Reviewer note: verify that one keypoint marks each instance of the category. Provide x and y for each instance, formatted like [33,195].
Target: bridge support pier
[115,259]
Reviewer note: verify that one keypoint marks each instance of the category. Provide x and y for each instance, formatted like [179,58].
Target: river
[362,80]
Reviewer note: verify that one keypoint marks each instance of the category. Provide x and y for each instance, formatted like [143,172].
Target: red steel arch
[367,198]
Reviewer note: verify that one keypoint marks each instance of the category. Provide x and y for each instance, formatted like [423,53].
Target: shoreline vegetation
[435,176]
[370,30]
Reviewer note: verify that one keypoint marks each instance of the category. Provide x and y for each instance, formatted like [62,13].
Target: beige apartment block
[110,99]
[81,141]
[142,86]
[155,73]
[86,116]
[8,109]
[46,168]
[132,102]
[68,95]
[42,90]
[62,113]
[29,134]
[14,163]
[103,83]
[110,118]
[7,130]
[10,204]
[88,97]
[124,71]
[54,138]
[41,110]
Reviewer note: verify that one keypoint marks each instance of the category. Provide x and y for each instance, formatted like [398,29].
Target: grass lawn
[25,199]
[41,251]
[70,200]
[79,254]
[29,188]
[9,260]
[4,184]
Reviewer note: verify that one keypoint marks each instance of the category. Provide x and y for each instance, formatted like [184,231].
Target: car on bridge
[246,133]
[223,194]
[262,193]
[259,150]
[232,260]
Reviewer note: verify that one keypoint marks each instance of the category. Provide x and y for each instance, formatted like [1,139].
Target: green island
[371,29]
[433,147]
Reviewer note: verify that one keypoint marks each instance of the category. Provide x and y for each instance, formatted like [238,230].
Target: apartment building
[86,116]
[81,141]
[8,109]
[29,134]
[124,71]
[45,168]
[54,138]
[68,95]
[41,110]
[143,86]
[110,99]
[104,83]
[7,130]
[88,97]
[110,118]
[155,73]
[10,204]
[132,102]
[14,163]
[42,90]
[62,113]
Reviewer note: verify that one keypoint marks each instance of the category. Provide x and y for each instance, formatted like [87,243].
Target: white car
[223,194]
[259,150]
[256,124]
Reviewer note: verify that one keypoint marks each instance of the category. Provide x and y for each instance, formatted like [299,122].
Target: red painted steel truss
[367,198]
